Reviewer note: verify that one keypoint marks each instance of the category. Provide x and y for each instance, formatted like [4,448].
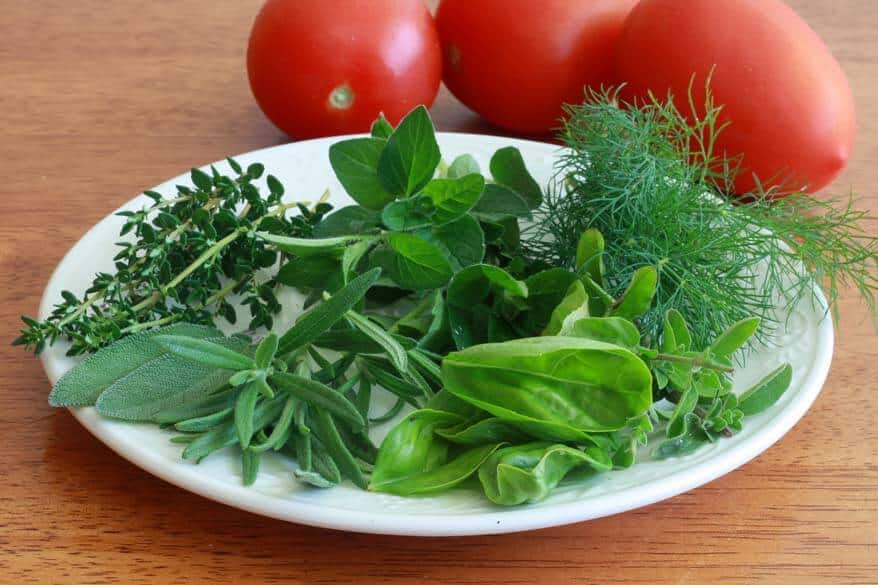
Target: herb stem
[694,362]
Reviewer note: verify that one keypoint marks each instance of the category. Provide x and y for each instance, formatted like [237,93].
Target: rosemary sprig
[188,255]
[646,176]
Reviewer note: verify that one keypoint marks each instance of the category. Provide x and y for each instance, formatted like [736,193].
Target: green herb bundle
[648,179]
[515,370]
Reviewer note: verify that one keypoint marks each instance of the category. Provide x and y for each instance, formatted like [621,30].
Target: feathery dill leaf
[649,180]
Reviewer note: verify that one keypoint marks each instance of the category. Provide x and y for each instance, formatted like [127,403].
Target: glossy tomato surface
[516,62]
[787,99]
[324,67]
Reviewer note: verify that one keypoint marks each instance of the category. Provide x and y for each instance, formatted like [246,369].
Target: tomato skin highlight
[320,68]
[516,62]
[789,104]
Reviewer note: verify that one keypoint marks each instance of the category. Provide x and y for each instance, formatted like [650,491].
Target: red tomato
[516,62]
[323,67]
[788,101]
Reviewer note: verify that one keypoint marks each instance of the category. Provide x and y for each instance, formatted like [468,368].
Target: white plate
[304,168]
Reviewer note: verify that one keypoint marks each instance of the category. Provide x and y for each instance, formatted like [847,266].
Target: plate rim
[504,520]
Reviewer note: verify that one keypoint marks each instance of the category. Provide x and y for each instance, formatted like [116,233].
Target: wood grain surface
[99,100]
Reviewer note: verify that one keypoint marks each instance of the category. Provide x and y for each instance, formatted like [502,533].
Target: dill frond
[647,177]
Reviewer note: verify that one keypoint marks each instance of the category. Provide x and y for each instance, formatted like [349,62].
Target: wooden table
[99,100]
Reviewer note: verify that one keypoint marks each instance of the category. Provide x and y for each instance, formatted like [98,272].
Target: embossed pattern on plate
[304,169]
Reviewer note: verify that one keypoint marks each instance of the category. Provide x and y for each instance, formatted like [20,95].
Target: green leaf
[201,180]
[508,169]
[381,128]
[573,306]
[490,430]
[529,472]
[322,317]
[688,402]
[498,202]
[266,351]
[356,163]
[350,220]
[453,198]
[413,263]
[407,214]
[734,338]
[613,330]
[577,384]
[637,298]
[410,156]
[245,408]
[590,255]
[441,478]
[310,246]
[462,241]
[320,396]
[546,289]
[767,391]
[205,352]
[468,292]
[395,352]
[226,435]
[352,257]
[250,466]
[463,165]
[82,385]
[678,337]
[311,271]
[329,436]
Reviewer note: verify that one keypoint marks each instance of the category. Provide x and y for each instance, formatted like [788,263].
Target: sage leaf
[413,263]
[355,163]
[767,391]
[82,385]
[321,318]
[205,352]
[508,169]
[410,156]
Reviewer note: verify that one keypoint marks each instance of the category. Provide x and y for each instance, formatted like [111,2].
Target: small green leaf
[508,169]
[573,307]
[350,220]
[395,352]
[613,330]
[201,180]
[410,156]
[250,465]
[322,317]
[675,322]
[205,352]
[766,392]
[463,165]
[452,198]
[381,128]
[637,298]
[355,163]
[590,255]
[245,408]
[467,293]
[310,246]
[734,338]
[688,402]
[352,257]
[311,271]
[407,214]
[266,351]
[498,202]
[325,428]
[413,263]
[320,396]
[462,241]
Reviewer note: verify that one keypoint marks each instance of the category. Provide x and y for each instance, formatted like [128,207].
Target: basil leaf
[355,163]
[486,431]
[439,479]
[508,169]
[571,308]
[767,391]
[352,219]
[82,385]
[453,198]
[463,165]
[322,317]
[413,263]
[462,241]
[613,330]
[410,156]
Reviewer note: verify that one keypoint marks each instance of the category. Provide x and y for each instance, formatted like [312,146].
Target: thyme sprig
[183,258]
[648,178]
